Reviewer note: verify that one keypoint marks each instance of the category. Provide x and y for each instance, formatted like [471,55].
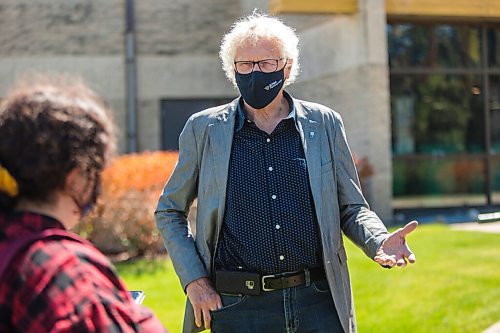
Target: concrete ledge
[493,329]
[492,227]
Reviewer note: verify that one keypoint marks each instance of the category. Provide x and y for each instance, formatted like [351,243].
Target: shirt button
[278,226]
[273,196]
[270,169]
[268,140]
[282,257]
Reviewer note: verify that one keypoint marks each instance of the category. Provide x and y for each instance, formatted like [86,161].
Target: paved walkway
[491,227]
[493,329]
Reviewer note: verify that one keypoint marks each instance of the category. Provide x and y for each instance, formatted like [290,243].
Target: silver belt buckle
[263,284]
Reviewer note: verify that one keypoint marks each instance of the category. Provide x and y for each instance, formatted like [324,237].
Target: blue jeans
[292,310]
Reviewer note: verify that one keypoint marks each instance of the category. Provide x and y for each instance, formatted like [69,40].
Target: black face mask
[259,89]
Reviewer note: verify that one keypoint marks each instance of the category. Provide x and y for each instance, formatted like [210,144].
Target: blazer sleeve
[173,207]
[358,222]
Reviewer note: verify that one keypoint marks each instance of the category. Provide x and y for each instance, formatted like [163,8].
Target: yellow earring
[8,184]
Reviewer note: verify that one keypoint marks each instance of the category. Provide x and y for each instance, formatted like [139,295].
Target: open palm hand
[394,250]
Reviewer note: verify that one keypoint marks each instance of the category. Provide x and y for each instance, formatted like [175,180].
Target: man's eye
[267,63]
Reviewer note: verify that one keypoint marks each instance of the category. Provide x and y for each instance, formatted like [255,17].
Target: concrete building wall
[83,38]
[177,45]
[58,27]
[176,42]
[185,27]
[105,74]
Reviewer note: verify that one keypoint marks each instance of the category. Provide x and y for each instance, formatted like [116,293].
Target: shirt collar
[241,114]
[16,223]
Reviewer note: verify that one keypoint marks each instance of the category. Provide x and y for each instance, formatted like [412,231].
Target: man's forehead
[261,41]
[261,48]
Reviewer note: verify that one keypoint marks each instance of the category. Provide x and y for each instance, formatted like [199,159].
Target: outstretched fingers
[401,262]
[408,228]
[409,255]
[385,260]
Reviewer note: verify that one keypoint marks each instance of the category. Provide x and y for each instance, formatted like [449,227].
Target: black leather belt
[288,280]
[234,282]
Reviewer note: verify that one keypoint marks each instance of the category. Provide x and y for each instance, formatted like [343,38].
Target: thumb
[403,232]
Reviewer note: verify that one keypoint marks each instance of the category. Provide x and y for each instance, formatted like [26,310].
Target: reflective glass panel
[426,181]
[456,46]
[495,113]
[495,136]
[408,45]
[434,46]
[436,114]
[495,179]
[493,41]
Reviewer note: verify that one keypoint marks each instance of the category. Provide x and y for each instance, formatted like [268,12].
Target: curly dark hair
[47,129]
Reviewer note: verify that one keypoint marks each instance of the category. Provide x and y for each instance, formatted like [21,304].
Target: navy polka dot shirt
[269,224]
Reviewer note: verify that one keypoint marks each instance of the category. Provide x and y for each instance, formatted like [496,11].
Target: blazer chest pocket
[327,167]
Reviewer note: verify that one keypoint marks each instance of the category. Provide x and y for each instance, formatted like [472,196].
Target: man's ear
[288,68]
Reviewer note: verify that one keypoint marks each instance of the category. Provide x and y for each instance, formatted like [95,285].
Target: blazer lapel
[311,141]
[220,135]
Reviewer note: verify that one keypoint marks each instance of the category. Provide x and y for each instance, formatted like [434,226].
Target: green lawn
[164,294]
[454,287]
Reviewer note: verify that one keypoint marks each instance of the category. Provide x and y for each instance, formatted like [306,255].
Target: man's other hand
[204,299]
[394,250]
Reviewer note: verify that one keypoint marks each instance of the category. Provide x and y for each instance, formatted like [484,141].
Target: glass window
[436,114]
[493,38]
[408,45]
[456,46]
[434,46]
[495,167]
[495,113]
[438,181]
[438,102]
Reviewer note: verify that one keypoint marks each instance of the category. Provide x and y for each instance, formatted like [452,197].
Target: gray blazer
[201,172]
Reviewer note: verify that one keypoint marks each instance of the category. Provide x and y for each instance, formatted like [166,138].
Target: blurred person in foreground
[276,184]
[55,139]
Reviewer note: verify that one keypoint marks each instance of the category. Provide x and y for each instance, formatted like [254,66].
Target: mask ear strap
[75,185]
[96,191]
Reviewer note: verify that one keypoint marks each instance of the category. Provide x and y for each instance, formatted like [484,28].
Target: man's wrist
[201,281]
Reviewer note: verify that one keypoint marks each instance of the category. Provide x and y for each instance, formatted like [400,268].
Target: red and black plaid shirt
[63,286]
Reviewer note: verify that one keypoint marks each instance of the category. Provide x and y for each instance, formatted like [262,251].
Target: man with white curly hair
[276,185]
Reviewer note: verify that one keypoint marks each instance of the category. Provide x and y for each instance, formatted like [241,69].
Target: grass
[163,291]
[454,287]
